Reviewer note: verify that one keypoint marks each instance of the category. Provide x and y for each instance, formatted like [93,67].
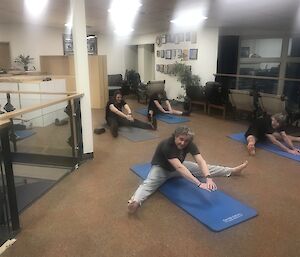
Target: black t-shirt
[119,106]
[167,149]
[158,97]
[262,126]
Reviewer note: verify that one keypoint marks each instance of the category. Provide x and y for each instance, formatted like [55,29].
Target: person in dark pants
[115,117]
[273,129]
[169,161]
[155,106]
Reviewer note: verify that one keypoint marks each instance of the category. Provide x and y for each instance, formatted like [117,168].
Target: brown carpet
[86,213]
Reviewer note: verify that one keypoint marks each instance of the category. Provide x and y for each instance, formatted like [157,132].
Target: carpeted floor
[86,213]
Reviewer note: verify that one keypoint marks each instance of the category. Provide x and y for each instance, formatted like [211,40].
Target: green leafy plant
[24,60]
[185,77]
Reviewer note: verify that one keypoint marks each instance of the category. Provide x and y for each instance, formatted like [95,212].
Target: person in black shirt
[115,116]
[272,129]
[155,106]
[169,161]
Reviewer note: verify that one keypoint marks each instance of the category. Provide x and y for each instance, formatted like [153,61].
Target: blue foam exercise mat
[168,118]
[266,146]
[216,210]
[21,134]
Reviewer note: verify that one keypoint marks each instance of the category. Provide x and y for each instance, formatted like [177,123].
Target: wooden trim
[253,77]
[38,92]
[16,113]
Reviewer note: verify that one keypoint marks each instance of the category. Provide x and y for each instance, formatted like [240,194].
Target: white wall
[205,66]
[32,40]
[114,50]
[131,57]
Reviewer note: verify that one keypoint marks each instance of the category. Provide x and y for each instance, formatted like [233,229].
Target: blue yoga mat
[216,210]
[168,118]
[21,134]
[266,146]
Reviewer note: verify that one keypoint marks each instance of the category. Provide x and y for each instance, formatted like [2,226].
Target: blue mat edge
[253,215]
[143,111]
[268,147]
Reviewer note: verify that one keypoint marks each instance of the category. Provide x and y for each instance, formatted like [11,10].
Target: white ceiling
[154,15]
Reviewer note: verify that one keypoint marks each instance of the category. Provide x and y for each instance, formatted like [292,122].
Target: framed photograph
[188,36]
[168,54]
[170,38]
[157,53]
[194,37]
[68,44]
[179,53]
[185,54]
[181,37]
[162,53]
[92,44]
[193,54]
[245,52]
[158,40]
[176,38]
[163,39]
[173,53]
[161,68]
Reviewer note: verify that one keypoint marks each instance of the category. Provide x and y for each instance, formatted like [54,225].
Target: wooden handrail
[253,77]
[16,113]
[37,92]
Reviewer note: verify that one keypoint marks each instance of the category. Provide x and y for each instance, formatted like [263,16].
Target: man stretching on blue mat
[115,116]
[155,106]
[272,129]
[168,162]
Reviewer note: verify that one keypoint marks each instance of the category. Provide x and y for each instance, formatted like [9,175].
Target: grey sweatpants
[158,175]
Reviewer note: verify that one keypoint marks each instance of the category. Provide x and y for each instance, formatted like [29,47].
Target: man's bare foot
[251,149]
[133,206]
[236,171]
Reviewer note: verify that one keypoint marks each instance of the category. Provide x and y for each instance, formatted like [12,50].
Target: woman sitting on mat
[115,116]
[273,129]
[156,106]
[168,162]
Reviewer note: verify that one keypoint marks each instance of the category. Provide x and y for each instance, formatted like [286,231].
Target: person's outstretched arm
[169,107]
[289,142]
[274,141]
[184,172]
[158,105]
[119,113]
[203,167]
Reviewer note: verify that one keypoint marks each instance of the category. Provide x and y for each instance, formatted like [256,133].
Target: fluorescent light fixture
[123,31]
[122,14]
[35,7]
[189,18]
[68,25]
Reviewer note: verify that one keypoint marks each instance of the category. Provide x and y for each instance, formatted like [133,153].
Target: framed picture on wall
[185,54]
[188,36]
[168,54]
[67,44]
[92,44]
[179,53]
[173,53]
[193,54]
[194,37]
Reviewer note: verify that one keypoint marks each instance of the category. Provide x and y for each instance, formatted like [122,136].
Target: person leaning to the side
[169,161]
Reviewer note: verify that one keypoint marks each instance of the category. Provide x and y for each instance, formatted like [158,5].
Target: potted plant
[187,80]
[24,60]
